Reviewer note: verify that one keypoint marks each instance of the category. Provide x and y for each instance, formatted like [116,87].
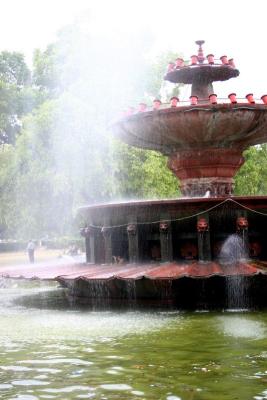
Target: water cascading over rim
[204,141]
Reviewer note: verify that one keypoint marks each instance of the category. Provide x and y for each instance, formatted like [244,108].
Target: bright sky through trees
[235,28]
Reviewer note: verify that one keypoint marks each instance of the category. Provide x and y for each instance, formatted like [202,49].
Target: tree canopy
[57,152]
[17,95]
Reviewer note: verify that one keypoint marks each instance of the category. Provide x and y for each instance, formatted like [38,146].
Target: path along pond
[49,351]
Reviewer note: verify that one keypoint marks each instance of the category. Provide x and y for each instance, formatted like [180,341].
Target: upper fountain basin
[195,127]
[204,72]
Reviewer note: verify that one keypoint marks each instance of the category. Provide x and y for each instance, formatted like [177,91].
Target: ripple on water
[173,398]
[24,397]
[29,382]
[15,368]
[112,372]
[48,370]
[41,377]
[5,386]
[137,393]
[72,361]
[116,370]
[115,357]
[118,386]
[68,389]
[261,396]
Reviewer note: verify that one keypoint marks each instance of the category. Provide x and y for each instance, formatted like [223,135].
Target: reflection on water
[73,354]
[243,327]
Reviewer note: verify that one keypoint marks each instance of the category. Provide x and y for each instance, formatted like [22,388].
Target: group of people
[73,250]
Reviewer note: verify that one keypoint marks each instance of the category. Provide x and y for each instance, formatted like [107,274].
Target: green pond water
[65,353]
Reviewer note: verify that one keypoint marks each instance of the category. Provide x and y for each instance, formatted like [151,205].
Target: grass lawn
[21,257]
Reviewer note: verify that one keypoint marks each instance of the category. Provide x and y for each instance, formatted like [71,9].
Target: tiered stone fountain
[157,247]
[147,252]
[204,140]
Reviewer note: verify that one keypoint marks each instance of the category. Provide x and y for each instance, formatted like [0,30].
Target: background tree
[142,174]
[17,97]
[57,151]
[251,179]
[64,156]
[156,85]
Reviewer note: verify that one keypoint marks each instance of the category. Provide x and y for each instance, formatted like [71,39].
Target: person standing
[30,250]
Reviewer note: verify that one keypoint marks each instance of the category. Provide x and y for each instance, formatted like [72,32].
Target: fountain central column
[203,171]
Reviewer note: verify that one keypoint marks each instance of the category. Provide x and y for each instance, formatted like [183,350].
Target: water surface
[84,354]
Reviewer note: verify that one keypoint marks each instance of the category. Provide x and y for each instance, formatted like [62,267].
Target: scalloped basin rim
[198,107]
[203,125]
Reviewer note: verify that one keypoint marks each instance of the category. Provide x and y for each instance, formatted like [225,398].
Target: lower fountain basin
[179,252]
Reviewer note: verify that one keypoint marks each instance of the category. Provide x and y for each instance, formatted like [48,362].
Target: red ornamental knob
[131,229]
[264,98]
[210,58]
[193,100]
[213,98]
[241,223]
[174,101]
[142,107]
[179,62]
[194,60]
[231,62]
[163,226]
[232,97]
[202,225]
[224,60]
[156,104]
[250,98]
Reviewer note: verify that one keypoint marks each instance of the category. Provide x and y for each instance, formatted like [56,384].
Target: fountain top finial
[200,57]
[201,74]
[200,42]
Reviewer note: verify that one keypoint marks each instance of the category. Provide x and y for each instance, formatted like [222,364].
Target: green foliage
[63,243]
[17,97]
[45,70]
[14,245]
[31,173]
[7,177]
[13,69]
[156,86]
[57,153]
[142,174]
[62,155]
[252,176]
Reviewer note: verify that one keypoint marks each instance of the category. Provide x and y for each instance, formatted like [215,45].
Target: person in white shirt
[30,250]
